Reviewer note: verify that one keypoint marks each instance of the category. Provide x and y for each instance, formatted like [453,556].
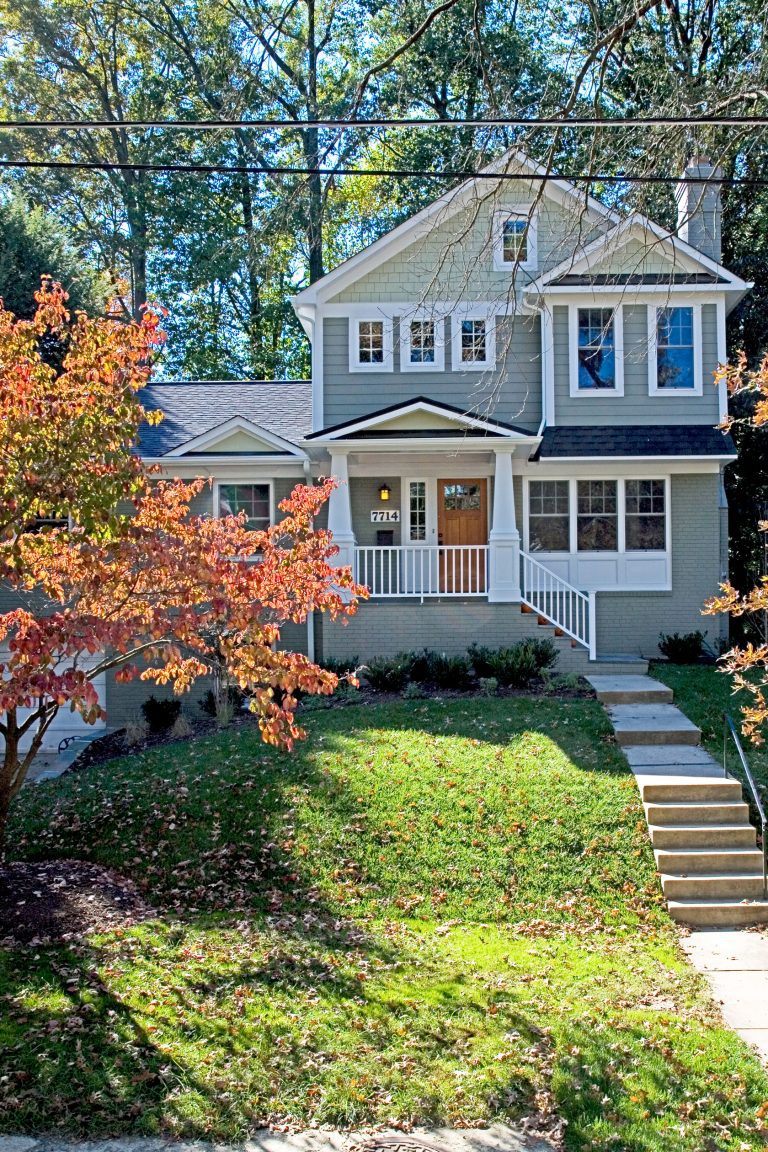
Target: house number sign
[385,516]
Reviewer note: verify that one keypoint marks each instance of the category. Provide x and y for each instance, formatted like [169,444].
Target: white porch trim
[504,538]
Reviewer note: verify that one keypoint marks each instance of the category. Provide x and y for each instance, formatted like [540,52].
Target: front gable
[421,418]
[237,437]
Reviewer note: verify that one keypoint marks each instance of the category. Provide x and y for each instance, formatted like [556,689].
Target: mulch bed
[63,900]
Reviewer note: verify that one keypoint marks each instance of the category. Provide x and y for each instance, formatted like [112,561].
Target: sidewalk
[735,962]
[497,1138]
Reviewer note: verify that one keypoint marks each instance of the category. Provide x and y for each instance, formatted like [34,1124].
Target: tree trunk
[255,332]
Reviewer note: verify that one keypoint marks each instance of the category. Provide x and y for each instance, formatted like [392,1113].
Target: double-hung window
[549,516]
[253,499]
[596,346]
[422,343]
[370,344]
[597,519]
[514,239]
[474,341]
[675,366]
[645,524]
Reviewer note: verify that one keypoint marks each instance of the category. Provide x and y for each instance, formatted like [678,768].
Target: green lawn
[431,913]
[704,693]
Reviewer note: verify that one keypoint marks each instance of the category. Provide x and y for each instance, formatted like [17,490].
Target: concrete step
[636,724]
[671,760]
[690,789]
[705,812]
[702,835]
[719,913]
[703,861]
[623,689]
[713,886]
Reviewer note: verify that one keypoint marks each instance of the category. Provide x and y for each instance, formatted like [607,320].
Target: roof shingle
[192,407]
[634,440]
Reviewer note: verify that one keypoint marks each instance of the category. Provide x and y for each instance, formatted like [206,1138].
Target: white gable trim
[677,251]
[471,423]
[444,208]
[226,428]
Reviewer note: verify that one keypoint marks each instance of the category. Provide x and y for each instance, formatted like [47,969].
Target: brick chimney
[699,209]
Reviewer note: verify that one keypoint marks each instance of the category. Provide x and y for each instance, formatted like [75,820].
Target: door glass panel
[418,507]
[461,497]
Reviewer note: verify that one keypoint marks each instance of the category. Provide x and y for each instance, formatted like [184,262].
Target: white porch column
[504,539]
[340,512]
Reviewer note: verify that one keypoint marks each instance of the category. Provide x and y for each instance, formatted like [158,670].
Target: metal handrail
[728,725]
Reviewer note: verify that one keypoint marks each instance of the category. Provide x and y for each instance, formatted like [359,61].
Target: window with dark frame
[645,523]
[596,349]
[473,341]
[514,240]
[597,521]
[253,499]
[423,344]
[548,516]
[675,365]
[370,341]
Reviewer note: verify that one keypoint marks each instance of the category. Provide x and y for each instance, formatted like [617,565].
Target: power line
[609,122]
[400,173]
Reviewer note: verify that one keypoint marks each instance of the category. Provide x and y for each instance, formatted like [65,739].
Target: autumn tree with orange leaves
[157,594]
[748,664]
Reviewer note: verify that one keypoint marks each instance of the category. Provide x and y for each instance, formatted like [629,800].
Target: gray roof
[635,440]
[192,407]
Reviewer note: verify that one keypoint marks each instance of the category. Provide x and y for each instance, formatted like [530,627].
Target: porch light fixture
[384,492]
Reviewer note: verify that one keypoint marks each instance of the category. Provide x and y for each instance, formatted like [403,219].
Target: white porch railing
[410,570]
[563,605]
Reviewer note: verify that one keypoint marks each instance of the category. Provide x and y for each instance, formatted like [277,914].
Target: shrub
[235,698]
[489,685]
[136,732]
[450,671]
[687,648]
[414,691]
[181,728]
[388,673]
[160,713]
[514,667]
[341,665]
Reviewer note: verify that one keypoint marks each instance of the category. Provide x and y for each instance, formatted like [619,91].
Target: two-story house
[515,389]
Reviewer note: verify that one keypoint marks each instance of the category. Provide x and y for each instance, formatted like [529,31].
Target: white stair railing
[568,609]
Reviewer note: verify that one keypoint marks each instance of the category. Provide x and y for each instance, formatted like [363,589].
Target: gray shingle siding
[511,392]
[636,406]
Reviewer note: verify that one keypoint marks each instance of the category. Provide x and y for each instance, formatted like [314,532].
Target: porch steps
[710,867]
[574,658]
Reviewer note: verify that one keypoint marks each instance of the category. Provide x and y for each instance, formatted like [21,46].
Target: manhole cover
[395,1144]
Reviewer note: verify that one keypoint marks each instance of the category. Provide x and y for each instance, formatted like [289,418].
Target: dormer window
[370,344]
[514,239]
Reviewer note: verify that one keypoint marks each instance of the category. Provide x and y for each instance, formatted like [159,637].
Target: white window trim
[232,480]
[355,364]
[405,342]
[574,551]
[698,376]
[573,350]
[457,318]
[521,211]
[429,509]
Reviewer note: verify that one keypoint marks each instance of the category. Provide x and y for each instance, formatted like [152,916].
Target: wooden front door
[462,521]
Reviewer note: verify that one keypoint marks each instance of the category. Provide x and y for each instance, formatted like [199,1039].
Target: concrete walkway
[498,1138]
[736,965]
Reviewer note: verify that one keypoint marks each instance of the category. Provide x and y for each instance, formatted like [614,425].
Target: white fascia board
[196,465]
[370,422]
[678,251]
[233,424]
[423,445]
[422,224]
